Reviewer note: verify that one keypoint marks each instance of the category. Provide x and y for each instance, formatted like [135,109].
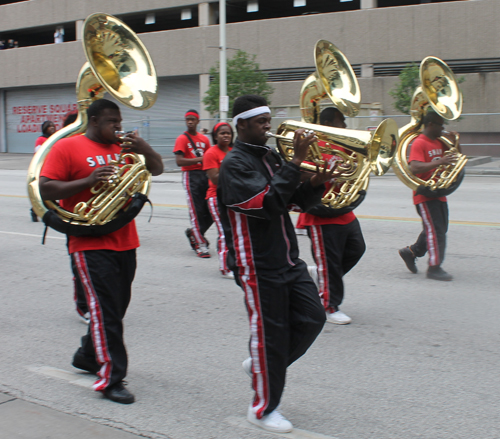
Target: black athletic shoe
[118,393]
[409,258]
[84,363]
[437,273]
[192,240]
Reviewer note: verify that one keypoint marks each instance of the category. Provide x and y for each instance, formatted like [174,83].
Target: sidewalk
[25,420]
[475,165]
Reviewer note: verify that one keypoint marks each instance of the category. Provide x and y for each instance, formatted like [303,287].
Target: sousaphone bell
[117,62]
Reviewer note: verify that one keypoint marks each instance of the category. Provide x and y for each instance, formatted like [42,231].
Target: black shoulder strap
[51,219]
[191,140]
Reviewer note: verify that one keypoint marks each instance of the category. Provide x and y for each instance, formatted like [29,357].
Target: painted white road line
[80,379]
[31,234]
[295,434]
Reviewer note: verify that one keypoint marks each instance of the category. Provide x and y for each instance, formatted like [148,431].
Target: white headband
[251,113]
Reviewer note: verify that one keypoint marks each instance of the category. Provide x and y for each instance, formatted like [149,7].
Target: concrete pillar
[79,30]
[3,122]
[204,114]
[203,14]
[368,4]
[367,70]
[207,14]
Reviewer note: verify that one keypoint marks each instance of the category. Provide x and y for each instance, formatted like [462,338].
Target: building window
[253,6]
[186,14]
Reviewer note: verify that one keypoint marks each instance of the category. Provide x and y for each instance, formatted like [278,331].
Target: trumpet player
[427,153]
[255,188]
[104,266]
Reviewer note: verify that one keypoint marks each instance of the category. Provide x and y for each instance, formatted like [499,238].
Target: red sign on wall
[31,117]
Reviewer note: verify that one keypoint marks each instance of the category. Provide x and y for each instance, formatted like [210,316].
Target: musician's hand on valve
[324,175]
[448,159]
[100,174]
[302,139]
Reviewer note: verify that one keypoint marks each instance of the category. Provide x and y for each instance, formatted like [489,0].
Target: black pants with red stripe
[78,294]
[106,277]
[196,185]
[336,248]
[432,239]
[285,317]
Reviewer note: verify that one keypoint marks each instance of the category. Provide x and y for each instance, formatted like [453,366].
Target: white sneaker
[85,318]
[338,318]
[274,421]
[228,275]
[247,366]
[313,272]
[202,251]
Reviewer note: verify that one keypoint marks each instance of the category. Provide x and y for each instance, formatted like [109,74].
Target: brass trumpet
[368,152]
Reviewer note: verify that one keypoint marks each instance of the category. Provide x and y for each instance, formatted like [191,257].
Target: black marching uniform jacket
[254,191]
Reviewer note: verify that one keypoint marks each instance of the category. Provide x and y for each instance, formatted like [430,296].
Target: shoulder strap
[190,140]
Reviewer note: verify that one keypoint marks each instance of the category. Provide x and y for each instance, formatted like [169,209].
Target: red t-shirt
[75,158]
[425,150]
[39,142]
[212,160]
[183,145]
[306,219]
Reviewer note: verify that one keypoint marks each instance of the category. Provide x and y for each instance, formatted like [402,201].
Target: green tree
[409,80]
[243,77]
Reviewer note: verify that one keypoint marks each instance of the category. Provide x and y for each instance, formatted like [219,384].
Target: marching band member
[48,128]
[255,188]
[222,135]
[427,153]
[104,266]
[337,243]
[189,149]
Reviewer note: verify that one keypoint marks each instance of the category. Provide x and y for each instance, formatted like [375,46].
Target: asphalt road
[420,359]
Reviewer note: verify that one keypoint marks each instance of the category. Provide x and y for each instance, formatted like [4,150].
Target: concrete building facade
[379,39]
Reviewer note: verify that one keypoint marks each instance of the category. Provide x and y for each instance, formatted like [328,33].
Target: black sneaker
[409,258]
[85,363]
[191,238]
[437,273]
[118,393]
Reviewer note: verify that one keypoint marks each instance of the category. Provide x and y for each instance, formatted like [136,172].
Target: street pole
[223,98]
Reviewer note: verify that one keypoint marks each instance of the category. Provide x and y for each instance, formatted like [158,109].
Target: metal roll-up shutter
[160,125]
[164,122]
[28,108]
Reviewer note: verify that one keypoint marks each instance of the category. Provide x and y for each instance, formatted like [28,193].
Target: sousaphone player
[79,169]
[434,168]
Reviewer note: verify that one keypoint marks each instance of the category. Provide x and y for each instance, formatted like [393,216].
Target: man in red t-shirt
[337,243]
[427,153]
[189,149]
[104,266]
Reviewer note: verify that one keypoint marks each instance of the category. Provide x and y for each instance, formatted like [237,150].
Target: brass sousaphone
[117,62]
[439,91]
[367,151]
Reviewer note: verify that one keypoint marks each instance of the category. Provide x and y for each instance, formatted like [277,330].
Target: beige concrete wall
[46,12]
[457,30]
